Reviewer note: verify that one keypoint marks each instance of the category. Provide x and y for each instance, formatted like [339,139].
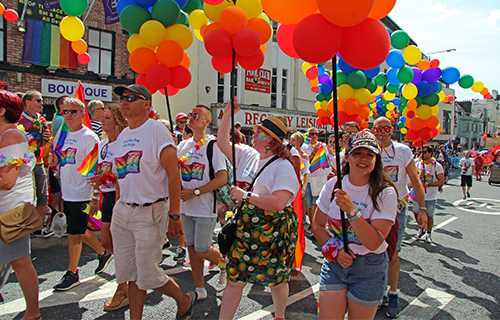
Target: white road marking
[479,203]
[442,224]
[427,304]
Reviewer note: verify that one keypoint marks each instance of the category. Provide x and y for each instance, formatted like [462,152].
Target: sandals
[189,313]
[37,318]
[120,297]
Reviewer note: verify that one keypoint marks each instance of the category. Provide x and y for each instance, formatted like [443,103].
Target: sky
[471,27]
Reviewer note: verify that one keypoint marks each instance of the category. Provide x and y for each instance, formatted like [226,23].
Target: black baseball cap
[137,88]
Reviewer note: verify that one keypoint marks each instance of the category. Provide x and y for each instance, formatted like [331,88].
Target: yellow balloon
[314,82]
[388,96]
[181,34]
[72,28]
[373,98]
[305,66]
[197,18]
[424,112]
[435,110]
[378,91]
[345,92]
[405,112]
[388,114]
[152,32]
[362,95]
[253,8]
[412,54]
[409,91]
[404,130]
[264,17]
[197,34]
[213,11]
[324,105]
[477,86]
[317,105]
[390,106]
[442,96]
[135,42]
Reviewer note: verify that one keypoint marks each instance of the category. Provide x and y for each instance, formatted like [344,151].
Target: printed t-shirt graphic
[395,159]
[129,163]
[192,171]
[68,156]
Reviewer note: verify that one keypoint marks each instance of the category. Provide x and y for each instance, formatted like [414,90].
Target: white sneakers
[221,285]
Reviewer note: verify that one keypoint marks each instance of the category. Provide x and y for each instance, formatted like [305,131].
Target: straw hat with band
[274,127]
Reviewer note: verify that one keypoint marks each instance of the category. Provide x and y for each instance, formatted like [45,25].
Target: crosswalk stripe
[444,223]
[427,304]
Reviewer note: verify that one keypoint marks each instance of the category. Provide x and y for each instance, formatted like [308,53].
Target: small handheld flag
[89,165]
[320,160]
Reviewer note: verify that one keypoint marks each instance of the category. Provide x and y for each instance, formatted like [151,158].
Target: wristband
[247,196]
[96,198]
[353,215]
[423,208]
[96,191]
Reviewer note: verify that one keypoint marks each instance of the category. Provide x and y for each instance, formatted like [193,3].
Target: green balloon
[405,74]
[401,107]
[166,11]
[133,16]
[381,79]
[328,97]
[183,19]
[371,85]
[74,7]
[466,81]
[404,101]
[393,88]
[401,125]
[431,100]
[400,39]
[192,5]
[321,64]
[341,78]
[419,101]
[356,79]
[320,96]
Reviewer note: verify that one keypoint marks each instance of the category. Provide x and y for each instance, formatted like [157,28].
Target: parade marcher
[16,188]
[348,129]
[431,175]
[198,206]
[398,164]
[104,181]
[148,194]
[181,120]
[297,139]
[478,166]
[467,166]
[96,109]
[264,248]
[356,279]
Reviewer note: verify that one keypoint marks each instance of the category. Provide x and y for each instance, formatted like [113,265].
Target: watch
[423,208]
[96,191]
[197,191]
[174,217]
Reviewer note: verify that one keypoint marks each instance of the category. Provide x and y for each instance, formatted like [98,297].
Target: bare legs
[333,305]
[75,247]
[28,280]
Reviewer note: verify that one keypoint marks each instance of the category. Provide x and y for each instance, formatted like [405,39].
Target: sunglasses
[348,134]
[195,116]
[38,100]
[131,97]
[313,133]
[71,112]
[425,151]
[381,129]
[183,122]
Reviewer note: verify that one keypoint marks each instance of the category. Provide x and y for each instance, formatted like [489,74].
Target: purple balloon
[324,78]
[431,75]
[417,75]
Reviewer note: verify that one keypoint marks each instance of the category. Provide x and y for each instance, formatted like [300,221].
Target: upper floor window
[2,39]
[101,50]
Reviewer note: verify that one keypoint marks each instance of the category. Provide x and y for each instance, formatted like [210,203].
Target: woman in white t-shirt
[264,248]
[355,280]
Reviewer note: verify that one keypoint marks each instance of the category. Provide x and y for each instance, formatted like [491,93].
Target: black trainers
[104,260]
[68,281]
[468,194]
[180,254]
[166,245]
[43,233]
[393,310]
[420,234]
[385,302]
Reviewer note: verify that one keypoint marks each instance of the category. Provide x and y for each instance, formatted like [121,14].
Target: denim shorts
[402,227]
[310,199]
[364,280]
[198,232]
[429,204]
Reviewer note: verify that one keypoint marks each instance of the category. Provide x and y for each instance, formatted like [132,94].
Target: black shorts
[466,181]
[75,217]
[108,203]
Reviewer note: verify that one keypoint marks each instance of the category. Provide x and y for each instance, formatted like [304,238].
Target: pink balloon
[213,2]
[246,42]
[284,36]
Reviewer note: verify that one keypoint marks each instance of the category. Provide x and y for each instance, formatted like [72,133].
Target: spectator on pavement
[467,168]
[96,109]
[348,129]
[181,120]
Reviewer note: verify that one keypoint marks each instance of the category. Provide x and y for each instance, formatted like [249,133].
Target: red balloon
[312,72]
[418,143]
[213,2]
[366,45]
[11,16]
[412,135]
[141,79]
[315,89]
[434,132]
[342,117]
[224,64]
[309,39]
[410,114]
[181,77]
[318,121]
[425,134]
[171,90]
[355,118]
[252,63]
[219,43]
[284,36]
[246,42]
[158,76]
[83,58]
[434,63]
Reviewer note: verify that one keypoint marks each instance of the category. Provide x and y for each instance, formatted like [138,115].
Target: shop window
[274,87]
[284,88]
[220,87]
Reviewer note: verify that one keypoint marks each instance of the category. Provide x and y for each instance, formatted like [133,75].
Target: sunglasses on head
[381,129]
[71,112]
[313,133]
[131,97]
[195,116]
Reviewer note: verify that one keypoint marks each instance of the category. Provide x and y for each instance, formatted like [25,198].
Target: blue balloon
[371,73]
[402,119]
[145,3]
[345,67]
[435,86]
[424,88]
[396,101]
[181,3]
[122,4]
[395,59]
[326,88]
[450,74]
[321,70]
[392,76]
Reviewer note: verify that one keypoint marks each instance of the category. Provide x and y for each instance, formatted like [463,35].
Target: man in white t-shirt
[198,206]
[466,165]
[398,163]
[431,174]
[77,193]
[148,197]
[348,129]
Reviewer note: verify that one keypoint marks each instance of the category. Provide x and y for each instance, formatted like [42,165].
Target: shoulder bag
[19,222]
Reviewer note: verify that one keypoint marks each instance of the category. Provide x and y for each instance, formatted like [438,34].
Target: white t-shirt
[195,172]
[396,158]
[247,163]
[74,186]
[431,172]
[141,175]
[305,169]
[106,160]
[387,202]
[308,149]
[279,175]
[466,165]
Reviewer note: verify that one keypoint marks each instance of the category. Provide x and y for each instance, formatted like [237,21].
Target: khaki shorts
[138,234]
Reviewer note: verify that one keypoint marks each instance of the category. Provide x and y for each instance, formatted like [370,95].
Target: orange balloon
[263,47]
[345,13]
[202,30]
[288,11]
[2,9]
[141,59]
[263,29]
[364,111]
[423,65]
[417,124]
[408,123]
[321,113]
[186,62]
[79,46]
[351,106]
[381,9]
[233,19]
[412,104]
[484,91]
[170,53]
[364,125]
[432,122]
[210,27]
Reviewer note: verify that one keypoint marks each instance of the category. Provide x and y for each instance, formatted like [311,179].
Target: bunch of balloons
[9,14]
[352,27]
[226,27]
[159,35]
[72,28]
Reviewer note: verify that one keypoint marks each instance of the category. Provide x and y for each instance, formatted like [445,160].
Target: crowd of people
[354,206]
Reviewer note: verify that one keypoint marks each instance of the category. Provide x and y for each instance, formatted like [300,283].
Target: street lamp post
[427,55]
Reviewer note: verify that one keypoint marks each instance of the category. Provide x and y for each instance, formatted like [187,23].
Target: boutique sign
[56,88]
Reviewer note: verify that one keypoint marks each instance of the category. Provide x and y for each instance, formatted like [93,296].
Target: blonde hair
[121,122]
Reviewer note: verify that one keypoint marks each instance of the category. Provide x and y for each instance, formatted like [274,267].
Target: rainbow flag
[80,95]
[89,164]
[44,45]
[300,246]
[320,160]
[307,138]
[59,139]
